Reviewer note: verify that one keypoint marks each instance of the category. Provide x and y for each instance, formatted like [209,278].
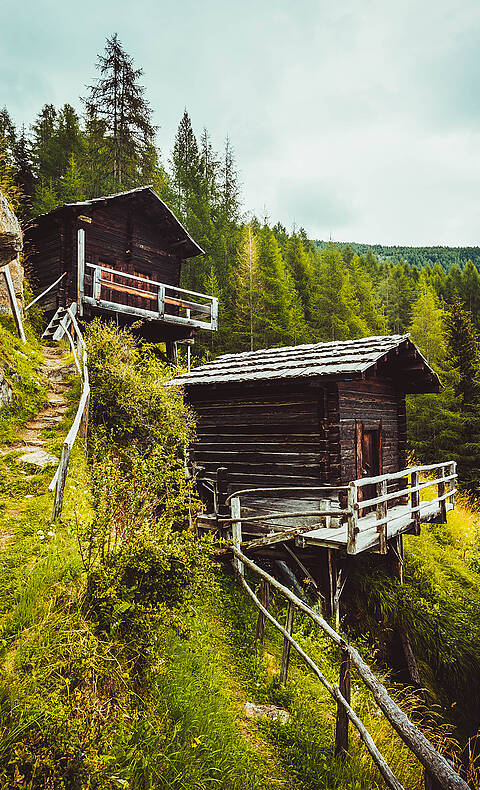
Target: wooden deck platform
[368,539]
[362,516]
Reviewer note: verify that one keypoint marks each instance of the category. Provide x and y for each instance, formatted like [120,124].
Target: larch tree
[247,293]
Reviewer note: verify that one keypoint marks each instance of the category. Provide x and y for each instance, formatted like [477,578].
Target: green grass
[18,365]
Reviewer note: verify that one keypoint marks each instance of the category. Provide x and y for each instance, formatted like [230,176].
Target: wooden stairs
[60,323]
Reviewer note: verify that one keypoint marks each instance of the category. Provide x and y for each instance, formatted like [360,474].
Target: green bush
[130,399]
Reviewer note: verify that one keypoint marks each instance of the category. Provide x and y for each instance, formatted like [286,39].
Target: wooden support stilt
[332,578]
[341,725]
[265,601]
[237,531]
[286,644]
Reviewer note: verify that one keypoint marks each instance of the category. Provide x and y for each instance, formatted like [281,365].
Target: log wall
[377,405]
[294,434]
[263,436]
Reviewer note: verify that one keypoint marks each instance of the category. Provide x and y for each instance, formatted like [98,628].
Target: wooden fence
[439,773]
[80,422]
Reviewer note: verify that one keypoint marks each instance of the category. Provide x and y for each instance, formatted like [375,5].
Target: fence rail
[80,421]
[435,765]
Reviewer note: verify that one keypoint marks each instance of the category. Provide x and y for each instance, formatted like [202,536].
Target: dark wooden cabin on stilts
[301,454]
[118,256]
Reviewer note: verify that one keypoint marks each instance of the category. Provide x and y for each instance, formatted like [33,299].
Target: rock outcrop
[11,243]
[10,233]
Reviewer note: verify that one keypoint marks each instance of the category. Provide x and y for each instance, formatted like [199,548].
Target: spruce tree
[118,99]
[301,268]
[23,174]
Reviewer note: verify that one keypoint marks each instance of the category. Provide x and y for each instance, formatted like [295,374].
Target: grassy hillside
[417,256]
[128,655]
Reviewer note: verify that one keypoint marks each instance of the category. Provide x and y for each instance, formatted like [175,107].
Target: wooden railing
[157,301]
[363,523]
[436,767]
[80,422]
[401,506]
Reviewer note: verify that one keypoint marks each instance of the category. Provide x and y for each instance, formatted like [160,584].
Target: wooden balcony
[361,516]
[113,291]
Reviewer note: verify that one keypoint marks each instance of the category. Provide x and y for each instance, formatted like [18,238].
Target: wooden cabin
[318,433]
[119,256]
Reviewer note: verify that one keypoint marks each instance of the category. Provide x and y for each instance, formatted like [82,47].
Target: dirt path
[30,441]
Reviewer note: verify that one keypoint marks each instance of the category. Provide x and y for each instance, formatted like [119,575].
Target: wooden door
[368,456]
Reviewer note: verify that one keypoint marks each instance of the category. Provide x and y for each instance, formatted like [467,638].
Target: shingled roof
[339,358]
[182,240]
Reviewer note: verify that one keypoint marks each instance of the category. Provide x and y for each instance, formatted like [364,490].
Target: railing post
[80,269]
[237,531]
[352,519]
[453,471]
[382,508]
[61,479]
[265,601]
[415,500]
[214,313]
[441,492]
[286,644]
[161,300]
[97,285]
[341,726]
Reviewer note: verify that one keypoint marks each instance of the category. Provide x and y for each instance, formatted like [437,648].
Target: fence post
[415,499]
[341,725]
[453,471]
[265,601]
[62,476]
[382,513]
[286,644]
[17,317]
[237,531]
[214,313]
[80,269]
[352,519]
[161,300]
[84,422]
[441,492]
[97,285]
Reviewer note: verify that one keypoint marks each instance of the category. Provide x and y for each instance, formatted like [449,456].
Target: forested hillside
[275,286]
[416,256]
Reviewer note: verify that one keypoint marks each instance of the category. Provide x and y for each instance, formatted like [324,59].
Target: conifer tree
[72,184]
[428,325]
[334,316]
[247,293]
[8,136]
[117,98]
[301,268]
[23,174]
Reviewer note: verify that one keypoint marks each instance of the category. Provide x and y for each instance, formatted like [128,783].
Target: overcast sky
[357,119]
